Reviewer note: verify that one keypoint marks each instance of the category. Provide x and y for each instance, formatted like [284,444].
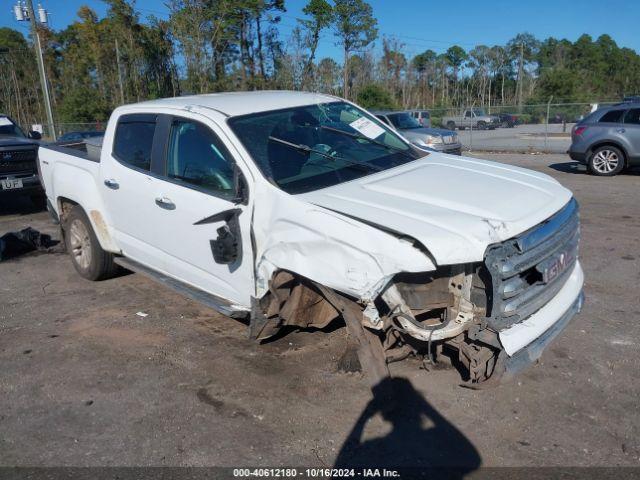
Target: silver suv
[608,140]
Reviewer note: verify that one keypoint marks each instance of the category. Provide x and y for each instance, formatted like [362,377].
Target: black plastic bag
[14,244]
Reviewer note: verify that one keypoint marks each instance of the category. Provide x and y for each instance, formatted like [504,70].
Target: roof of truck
[242,103]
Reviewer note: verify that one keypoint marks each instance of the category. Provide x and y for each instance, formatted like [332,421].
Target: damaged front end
[491,318]
[426,314]
[440,314]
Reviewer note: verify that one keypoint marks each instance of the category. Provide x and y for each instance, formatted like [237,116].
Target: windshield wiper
[308,150]
[370,140]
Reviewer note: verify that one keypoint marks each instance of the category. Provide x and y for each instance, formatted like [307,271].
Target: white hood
[454,206]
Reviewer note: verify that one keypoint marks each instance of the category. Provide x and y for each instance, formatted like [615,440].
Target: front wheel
[482,125]
[87,256]
[606,161]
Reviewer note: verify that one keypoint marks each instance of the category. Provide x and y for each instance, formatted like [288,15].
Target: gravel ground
[85,381]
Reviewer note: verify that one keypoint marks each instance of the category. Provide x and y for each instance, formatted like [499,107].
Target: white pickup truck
[290,208]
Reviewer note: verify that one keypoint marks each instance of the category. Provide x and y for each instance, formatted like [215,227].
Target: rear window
[612,116]
[632,116]
[134,140]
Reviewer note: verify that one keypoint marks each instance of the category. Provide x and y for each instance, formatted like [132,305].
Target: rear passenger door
[127,185]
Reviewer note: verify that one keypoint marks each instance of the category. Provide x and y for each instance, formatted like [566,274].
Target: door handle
[112,184]
[164,202]
[620,130]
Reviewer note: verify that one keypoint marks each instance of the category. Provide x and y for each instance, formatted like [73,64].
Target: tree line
[95,64]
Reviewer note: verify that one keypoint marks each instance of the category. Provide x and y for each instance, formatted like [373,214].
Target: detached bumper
[525,341]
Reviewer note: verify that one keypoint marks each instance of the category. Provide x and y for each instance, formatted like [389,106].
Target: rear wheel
[606,161]
[87,256]
[451,125]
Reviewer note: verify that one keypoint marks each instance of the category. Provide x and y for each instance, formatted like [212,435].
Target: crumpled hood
[454,206]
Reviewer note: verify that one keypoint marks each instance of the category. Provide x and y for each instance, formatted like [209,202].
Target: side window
[633,116]
[425,115]
[613,116]
[467,114]
[196,156]
[134,139]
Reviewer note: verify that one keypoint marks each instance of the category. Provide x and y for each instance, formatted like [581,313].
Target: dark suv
[18,166]
[608,140]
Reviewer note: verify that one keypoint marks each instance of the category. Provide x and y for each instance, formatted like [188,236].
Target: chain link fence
[66,130]
[533,128]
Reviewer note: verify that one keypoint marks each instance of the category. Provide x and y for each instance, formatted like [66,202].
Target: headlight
[432,139]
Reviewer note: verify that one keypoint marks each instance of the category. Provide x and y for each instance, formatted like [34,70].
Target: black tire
[87,256]
[451,125]
[482,125]
[606,161]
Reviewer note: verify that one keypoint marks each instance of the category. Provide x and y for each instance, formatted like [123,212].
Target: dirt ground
[85,381]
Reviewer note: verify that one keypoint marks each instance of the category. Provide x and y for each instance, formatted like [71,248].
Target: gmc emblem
[554,266]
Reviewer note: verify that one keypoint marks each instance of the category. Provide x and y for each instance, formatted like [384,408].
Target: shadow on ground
[13,204]
[577,167]
[420,441]
[569,167]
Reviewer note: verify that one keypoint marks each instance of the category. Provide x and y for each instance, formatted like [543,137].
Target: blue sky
[423,24]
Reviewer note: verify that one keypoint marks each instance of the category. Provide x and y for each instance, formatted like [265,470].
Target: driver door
[202,228]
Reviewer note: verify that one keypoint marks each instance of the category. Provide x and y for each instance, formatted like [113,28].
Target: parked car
[437,139]
[79,136]
[608,140]
[295,209]
[473,118]
[422,116]
[507,120]
[18,166]
[631,99]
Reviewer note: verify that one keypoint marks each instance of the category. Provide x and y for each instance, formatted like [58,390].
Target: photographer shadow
[410,447]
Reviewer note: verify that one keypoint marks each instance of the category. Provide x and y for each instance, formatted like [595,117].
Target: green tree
[355,28]
[375,97]
[322,14]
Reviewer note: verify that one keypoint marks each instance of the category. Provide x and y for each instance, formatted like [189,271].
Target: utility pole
[119,73]
[43,74]
[520,74]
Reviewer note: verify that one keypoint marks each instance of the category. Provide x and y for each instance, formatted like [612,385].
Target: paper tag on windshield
[5,121]
[367,128]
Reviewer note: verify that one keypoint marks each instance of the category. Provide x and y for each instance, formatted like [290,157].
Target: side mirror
[34,135]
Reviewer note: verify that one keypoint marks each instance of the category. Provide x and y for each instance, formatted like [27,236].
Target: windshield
[10,129]
[316,146]
[403,121]
[478,112]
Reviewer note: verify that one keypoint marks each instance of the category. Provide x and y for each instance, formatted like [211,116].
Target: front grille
[528,271]
[18,161]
